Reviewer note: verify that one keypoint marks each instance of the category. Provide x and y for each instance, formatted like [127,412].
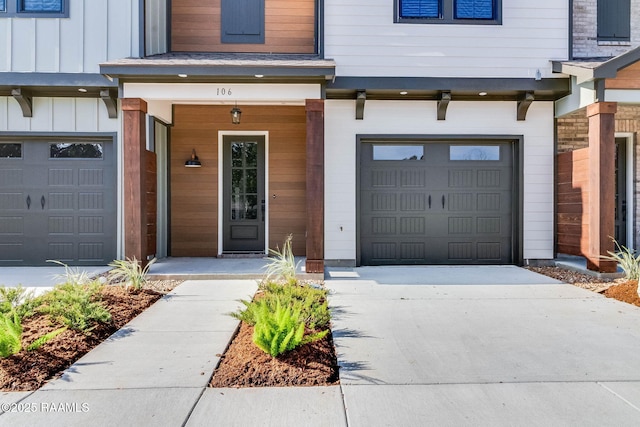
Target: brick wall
[585,27]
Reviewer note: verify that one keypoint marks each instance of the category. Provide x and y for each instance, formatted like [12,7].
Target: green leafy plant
[75,306]
[39,342]
[10,333]
[17,299]
[626,259]
[282,264]
[310,302]
[130,272]
[281,330]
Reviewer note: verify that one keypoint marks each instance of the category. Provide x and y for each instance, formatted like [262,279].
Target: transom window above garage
[10,151]
[449,12]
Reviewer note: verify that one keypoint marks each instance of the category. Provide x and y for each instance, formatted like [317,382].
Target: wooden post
[315,186]
[135,188]
[602,150]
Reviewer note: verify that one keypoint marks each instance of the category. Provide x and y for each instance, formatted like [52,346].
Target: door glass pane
[13,151]
[244,181]
[398,152]
[474,152]
[65,150]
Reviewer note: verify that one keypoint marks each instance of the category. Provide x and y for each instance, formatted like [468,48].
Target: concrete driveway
[482,346]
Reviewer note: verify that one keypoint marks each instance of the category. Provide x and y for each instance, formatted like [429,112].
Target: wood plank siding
[572,189]
[627,78]
[194,191]
[289,27]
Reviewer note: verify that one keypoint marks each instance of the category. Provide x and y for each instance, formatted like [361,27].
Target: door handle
[42,202]
[429,201]
[28,202]
[443,201]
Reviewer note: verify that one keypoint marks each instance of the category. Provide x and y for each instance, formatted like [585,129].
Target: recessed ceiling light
[404,92]
[483,94]
[182,75]
[259,76]
[83,90]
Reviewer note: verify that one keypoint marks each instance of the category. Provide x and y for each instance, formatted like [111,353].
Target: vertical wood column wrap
[135,189]
[315,186]
[601,184]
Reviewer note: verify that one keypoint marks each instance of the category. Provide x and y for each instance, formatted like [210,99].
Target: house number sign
[223,91]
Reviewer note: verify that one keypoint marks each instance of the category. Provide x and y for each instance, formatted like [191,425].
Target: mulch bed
[29,370]
[245,365]
[625,292]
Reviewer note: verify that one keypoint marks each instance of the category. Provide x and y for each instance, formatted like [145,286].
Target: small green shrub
[310,302]
[39,342]
[10,334]
[130,272]
[282,265]
[626,259]
[280,330]
[75,306]
[17,299]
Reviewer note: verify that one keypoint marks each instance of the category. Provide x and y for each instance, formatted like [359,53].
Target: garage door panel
[439,209]
[71,211]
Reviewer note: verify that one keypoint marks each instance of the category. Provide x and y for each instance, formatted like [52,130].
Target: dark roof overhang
[588,69]
[216,68]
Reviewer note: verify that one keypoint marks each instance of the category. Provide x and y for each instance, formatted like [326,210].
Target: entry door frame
[517,141]
[630,185]
[221,135]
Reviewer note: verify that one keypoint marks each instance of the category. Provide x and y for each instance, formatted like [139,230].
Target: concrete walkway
[417,346]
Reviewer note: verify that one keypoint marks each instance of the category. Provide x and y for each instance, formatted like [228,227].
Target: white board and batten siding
[95,31]
[362,38]
[419,117]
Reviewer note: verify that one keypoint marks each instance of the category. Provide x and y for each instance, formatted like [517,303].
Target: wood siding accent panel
[289,27]
[627,78]
[572,213]
[315,185]
[151,186]
[194,191]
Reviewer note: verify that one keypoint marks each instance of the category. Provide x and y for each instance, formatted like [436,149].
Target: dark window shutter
[419,8]
[242,21]
[614,19]
[474,9]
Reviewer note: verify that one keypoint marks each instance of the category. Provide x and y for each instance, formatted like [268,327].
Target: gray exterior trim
[361,97]
[25,100]
[430,88]
[142,29]
[593,69]
[443,103]
[110,102]
[523,105]
[6,135]
[55,79]
[518,183]
[570,38]
[320,27]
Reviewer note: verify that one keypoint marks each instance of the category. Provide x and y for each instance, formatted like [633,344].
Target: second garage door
[436,203]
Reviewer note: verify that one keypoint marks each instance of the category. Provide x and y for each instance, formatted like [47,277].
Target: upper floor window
[35,8]
[449,11]
[614,20]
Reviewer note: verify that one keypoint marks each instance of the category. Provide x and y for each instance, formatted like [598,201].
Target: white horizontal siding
[96,31]
[419,117]
[363,39]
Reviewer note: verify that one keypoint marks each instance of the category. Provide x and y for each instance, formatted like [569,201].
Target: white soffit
[207,93]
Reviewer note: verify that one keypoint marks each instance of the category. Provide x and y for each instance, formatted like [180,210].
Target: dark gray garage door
[436,203]
[58,202]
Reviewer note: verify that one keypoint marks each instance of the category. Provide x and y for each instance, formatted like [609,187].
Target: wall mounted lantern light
[193,162]
[235,115]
